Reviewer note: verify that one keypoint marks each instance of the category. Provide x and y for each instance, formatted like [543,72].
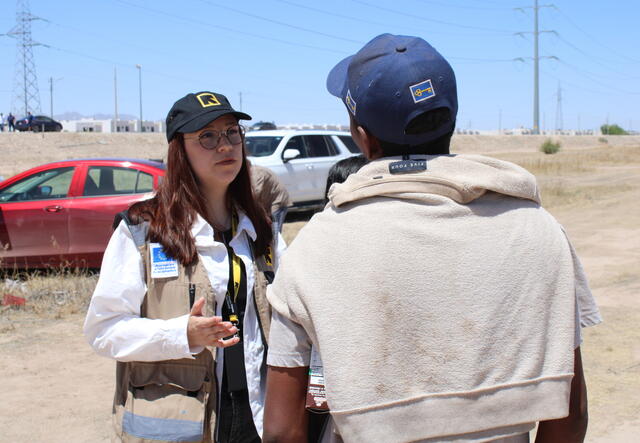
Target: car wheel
[35,128]
[58,128]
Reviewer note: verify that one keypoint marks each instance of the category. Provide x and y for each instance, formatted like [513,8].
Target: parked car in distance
[38,123]
[60,214]
[262,126]
[301,159]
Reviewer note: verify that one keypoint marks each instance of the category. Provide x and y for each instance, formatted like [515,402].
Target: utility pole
[115,96]
[536,72]
[51,82]
[536,61]
[578,123]
[51,94]
[559,122]
[140,90]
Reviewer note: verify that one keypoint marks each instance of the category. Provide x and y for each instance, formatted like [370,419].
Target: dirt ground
[55,389]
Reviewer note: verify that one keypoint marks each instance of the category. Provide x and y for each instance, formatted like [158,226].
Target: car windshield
[27,188]
[261,146]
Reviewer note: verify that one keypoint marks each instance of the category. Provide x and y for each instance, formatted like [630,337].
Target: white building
[109,126]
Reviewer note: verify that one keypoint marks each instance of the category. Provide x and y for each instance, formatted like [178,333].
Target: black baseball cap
[392,80]
[196,110]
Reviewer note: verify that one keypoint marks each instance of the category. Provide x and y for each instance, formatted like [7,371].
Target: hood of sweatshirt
[462,178]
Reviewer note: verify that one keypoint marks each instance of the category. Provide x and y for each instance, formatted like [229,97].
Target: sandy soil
[55,389]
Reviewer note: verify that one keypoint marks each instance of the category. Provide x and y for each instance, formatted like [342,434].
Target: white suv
[301,159]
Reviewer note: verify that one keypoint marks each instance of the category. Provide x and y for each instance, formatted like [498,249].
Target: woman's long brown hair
[178,200]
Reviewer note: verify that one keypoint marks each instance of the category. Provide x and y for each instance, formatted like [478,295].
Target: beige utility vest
[176,400]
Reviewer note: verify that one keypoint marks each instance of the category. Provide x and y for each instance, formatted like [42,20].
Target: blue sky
[277,53]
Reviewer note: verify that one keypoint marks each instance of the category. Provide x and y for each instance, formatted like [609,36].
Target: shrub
[613,130]
[603,140]
[549,147]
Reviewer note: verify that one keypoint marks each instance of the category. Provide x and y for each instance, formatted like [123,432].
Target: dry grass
[52,294]
[562,193]
[581,176]
[573,162]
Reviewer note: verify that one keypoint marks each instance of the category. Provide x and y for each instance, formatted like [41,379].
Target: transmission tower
[559,123]
[536,60]
[26,95]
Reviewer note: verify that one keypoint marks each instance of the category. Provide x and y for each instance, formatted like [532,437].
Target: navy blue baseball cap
[392,80]
[195,111]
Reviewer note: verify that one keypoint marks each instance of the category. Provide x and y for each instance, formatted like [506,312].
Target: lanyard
[236,273]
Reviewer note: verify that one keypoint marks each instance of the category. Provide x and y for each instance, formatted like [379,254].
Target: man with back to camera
[445,302]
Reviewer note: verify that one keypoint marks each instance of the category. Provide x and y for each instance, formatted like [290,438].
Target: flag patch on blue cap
[350,102]
[422,91]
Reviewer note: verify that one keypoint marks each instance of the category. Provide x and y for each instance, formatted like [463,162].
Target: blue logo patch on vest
[422,91]
[350,102]
[162,266]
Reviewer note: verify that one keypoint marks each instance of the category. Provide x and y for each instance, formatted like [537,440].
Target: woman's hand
[209,331]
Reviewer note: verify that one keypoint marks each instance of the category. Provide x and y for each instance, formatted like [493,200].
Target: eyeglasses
[210,139]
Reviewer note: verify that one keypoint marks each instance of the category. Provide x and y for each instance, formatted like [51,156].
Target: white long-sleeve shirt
[114,328]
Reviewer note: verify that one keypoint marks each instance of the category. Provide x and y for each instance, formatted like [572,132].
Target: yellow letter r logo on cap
[207,99]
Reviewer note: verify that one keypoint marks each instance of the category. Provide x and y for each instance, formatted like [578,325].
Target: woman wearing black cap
[180,302]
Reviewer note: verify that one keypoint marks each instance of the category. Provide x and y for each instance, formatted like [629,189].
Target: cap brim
[203,120]
[337,78]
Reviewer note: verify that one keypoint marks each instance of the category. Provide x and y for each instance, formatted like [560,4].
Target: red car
[61,213]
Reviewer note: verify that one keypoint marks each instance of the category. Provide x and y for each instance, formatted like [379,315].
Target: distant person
[29,120]
[341,170]
[271,194]
[2,121]
[180,303]
[11,119]
[444,301]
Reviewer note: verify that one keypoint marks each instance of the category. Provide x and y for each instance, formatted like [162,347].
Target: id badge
[162,266]
[316,400]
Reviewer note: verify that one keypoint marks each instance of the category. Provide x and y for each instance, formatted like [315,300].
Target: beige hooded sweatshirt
[441,301]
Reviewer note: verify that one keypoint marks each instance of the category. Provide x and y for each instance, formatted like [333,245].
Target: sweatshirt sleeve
[113,326]
[289,342]
[587,312]
[290,346]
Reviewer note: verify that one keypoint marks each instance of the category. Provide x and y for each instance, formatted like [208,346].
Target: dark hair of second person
[343,169]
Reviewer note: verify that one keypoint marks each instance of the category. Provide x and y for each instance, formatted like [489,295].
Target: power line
[599,81]
[567,18]
[288,25]
[590,89]
[119,63]
[475,8]
[483,60]
[385,25]
[489,2]
[132,66]
[430,20]
[594,59]
[225,28]
[110,38]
